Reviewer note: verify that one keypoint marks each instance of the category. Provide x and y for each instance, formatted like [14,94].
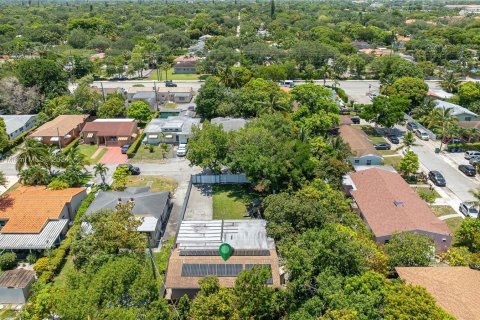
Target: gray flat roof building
[230,124]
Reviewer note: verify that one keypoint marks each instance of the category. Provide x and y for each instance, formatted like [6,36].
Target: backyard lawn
[453,224]
[144,155]
[172,76]
[230,201]
[442,210]
[159,183]
[60,280]
[393,161]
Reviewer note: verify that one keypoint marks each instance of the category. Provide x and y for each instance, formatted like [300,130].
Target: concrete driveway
[114,156]
[200,204]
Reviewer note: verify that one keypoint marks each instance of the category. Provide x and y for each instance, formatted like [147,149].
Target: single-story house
[15,286]
[152,207]
[60,131]
[36,218]
[196,256]
[230,124]
[164,113]
[149,97]
[170,130]
[175,94]
[459,112]
[18,124]
[110,132]
[185,67]
[455,289]
[106,91]
[388,205]
[134,90]
[363,152]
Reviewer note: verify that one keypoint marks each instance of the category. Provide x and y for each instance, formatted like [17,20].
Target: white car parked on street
[182,150]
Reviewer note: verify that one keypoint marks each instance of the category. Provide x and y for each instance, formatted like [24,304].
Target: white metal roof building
[48,237]
[459,112]
[18,124]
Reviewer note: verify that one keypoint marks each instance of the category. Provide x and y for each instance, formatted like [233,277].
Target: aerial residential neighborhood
[313,160]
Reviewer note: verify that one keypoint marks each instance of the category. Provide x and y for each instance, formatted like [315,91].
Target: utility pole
[103,91]
[59,142]
[156,93]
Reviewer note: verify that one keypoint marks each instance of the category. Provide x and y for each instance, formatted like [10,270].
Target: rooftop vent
[398,203]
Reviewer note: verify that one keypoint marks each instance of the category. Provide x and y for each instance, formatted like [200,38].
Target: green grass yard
[392,161]
[442,210]
[144,155]
[89,150]
[172,76]
[453,224]
[61,279]
[231,201]
[159,183]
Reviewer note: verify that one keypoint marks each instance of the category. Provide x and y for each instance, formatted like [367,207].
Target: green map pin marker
[225,251]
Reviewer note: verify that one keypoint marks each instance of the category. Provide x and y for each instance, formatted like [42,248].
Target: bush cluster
[8,261]
[135,145]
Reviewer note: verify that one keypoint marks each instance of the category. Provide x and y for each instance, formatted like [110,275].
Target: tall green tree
[32,153]
[409,163]
[413,89]
[45,74]
[209,98]
[442,119]
[407,249]
[139,110]
[114,107]
[385,111]
[101,170]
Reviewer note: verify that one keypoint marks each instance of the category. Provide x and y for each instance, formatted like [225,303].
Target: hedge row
[48,267]
[465,146]
[341,93]
[135,145]
[15,142]
[72,144]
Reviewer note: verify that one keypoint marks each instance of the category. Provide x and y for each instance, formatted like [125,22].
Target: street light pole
[59,143]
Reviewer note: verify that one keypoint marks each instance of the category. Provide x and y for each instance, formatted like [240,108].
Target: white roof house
[230,124]
[170,130]
[18,124]
[459,112]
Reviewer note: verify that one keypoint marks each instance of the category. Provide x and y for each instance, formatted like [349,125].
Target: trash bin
[437,150]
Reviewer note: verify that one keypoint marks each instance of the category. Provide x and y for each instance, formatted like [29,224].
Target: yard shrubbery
[135,145]
[8,261]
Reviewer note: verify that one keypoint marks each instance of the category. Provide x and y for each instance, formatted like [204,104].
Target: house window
[356,161]
[387,241]
[444,240]
[369,162]
[468,118]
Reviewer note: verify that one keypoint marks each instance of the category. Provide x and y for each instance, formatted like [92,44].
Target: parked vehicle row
[437,178]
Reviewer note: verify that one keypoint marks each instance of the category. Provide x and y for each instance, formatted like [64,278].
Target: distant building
[132,91]
[152,207]
[388,205]
[459,112]
[185,65]
[196,256]
[174,129]
[175,94]
[363,152]
[18,124]
[149,97]
[60,131]
[110,132]
[15,286]
[454,288]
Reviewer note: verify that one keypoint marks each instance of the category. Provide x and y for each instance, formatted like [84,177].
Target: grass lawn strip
[392,161]
[99,156]
[159,183]
[172,76]
[88,150]
[442,210]
[144,154]
[453,224]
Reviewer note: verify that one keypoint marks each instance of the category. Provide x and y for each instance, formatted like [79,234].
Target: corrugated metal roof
[42,240]
[18,278]
[456,109]
[15,122]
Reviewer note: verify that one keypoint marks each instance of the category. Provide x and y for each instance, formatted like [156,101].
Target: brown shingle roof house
[362,149]
[36,217]
[196,254]
[63,129]
[110,132]
[388,205]
[456,289]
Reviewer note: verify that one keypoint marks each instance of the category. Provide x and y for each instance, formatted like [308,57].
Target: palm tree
[427,105]
[101,170]
[165,66]
[33,152]
[441,118]
[450,82]
[326,71]
[408,140]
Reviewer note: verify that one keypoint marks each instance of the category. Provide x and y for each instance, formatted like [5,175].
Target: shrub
[57,185]
[8,261]
[135,145]
[457,256]
[427,195]
[41,265]
[72,144]
[341,93]
[31,258]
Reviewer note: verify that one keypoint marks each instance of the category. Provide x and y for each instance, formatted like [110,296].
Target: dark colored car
[393,139]
[355,120]
[191,108]
[437,178]
[468,170]
[382,146]
[125,148]
[169,83]
[411,126]
[135,171]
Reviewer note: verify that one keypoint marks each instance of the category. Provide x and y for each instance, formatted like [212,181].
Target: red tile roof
[390,205]
[454,288]
[115,127]
[28,209]
[61,125]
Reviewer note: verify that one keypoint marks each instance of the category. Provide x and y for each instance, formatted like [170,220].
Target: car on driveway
[382,146]
[468,170]
[135,171]
[468,209]
[182,150]
[393,139]
[125,148]
[471,154]
[437,178]
[355,120]
[411,126]
[422,134]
